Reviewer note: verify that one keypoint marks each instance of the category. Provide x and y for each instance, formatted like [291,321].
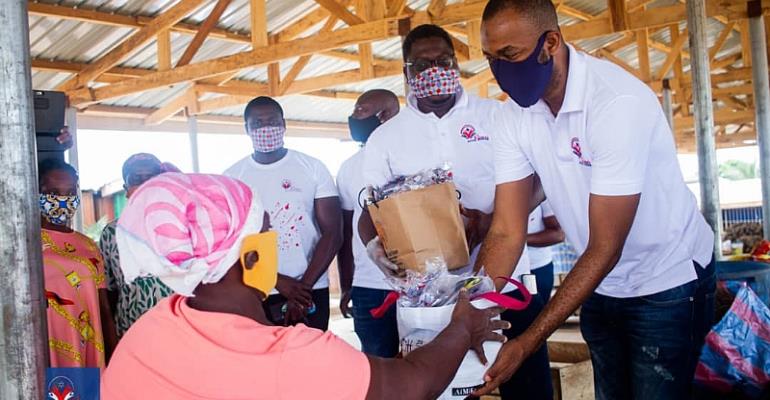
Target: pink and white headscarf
[186,229]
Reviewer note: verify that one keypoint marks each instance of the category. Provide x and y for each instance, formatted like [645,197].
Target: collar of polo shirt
[575,95]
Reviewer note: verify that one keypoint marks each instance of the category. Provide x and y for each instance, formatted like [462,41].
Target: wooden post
[164,50]
[618,15]
[643,49]
[761,103]
[71,120]
[668,106]
[23,329]
[703,111]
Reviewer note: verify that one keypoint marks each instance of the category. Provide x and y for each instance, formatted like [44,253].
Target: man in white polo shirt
[442,123]
[599,141]
[299,193]
[360,279]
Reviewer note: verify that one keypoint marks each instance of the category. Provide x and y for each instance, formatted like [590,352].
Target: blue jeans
[544,280]
[379,336]
[532,381]
[647,347]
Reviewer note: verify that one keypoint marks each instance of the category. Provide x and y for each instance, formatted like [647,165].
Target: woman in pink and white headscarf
[212,339]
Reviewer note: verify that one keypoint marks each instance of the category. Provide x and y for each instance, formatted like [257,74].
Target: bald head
[540,14]
[380,102]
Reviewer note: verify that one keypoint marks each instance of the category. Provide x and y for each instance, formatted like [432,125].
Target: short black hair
[424,32]
[55,164]
[383,94]
[541,13]
[262,101]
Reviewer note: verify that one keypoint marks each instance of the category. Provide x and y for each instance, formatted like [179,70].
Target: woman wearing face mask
[81,332]
[213,340]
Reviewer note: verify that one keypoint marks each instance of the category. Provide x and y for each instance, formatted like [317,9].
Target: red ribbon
[380,311]
[497,298]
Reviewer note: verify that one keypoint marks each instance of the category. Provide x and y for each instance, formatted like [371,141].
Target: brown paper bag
[420,224]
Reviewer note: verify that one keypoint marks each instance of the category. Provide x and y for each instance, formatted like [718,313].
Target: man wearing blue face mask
[360,279]
[444,124]
[598,139]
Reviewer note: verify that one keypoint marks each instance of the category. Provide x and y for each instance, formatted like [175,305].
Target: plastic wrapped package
[735,361]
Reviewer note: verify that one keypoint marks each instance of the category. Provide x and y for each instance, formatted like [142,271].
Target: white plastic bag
[419,325]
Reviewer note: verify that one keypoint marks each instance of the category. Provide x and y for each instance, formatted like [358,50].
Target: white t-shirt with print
[413,141]
[350,181]
[288,189]
[539,256]
[610,138]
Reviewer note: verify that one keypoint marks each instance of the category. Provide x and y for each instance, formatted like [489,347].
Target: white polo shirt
[610,138]
[350,181]
[288,189]
[539,256]
[413,141]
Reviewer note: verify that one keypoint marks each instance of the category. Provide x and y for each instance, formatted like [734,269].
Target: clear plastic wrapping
[406,183]
[436,286]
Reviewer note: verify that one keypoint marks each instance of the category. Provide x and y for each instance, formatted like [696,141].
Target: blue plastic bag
[736,355]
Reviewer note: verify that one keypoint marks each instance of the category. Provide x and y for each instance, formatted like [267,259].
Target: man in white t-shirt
[543,231]
[442,123]
[598,139]
[360,279]
[299,193]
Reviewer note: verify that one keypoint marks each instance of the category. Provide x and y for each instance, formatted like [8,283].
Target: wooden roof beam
[618,15]
[436,7]
[263,55]
[340,11]
[676,49]
[163,48]
[137,39]
[203,32]
[258,23]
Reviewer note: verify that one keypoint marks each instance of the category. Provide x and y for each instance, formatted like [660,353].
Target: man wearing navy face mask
[360,279]
[598,139]
[443,124]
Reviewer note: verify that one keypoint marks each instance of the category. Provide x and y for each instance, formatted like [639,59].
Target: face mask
[360,129]
[525,81]
[58,210]
[435,81]
[263,275]
[267,139]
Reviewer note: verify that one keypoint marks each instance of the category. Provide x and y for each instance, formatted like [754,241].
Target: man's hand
[477,226]
[377,254]
[65,138]
[479,324]
[294,290]
[295,313]
[511,355]
[345,304]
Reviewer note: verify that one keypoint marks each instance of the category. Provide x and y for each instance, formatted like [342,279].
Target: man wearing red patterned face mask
[443,123]
[299,193]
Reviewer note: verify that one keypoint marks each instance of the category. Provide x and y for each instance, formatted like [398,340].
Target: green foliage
[736,170]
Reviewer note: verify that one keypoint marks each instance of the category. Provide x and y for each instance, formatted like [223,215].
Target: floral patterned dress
[133,299]
[73,274]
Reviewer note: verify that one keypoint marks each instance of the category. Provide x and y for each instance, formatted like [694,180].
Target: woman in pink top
[212,339]
[80,328]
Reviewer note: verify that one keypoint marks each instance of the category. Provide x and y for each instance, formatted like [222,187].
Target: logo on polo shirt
[288,186]
[468,132]
[576,150]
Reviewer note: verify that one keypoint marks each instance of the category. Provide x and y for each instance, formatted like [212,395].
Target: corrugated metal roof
[69,40]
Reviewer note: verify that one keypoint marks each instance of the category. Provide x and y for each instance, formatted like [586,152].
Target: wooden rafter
[676,48]
[169,109]
[723,36]
[340,11]
[203,32]
[264,55]
[164,50]
[619,61]
[474,40]
[396,7]
[745,43]
[258,19]
[618,15]
[462,51]
[436,7]
[144,35]
[643,52]
[302,62]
